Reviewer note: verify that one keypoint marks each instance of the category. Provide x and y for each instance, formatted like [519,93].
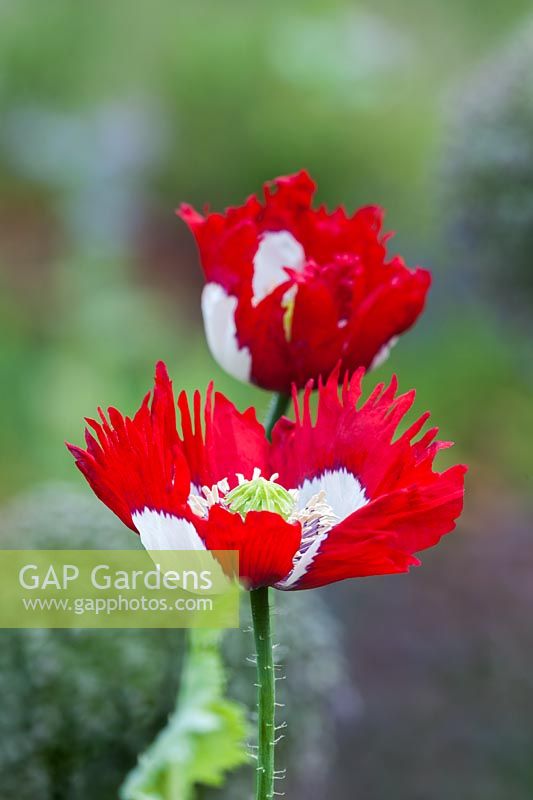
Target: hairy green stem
[266,693]
[276,410]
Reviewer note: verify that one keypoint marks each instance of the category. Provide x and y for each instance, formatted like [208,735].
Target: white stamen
[201,501]
[198,505]
[317,519]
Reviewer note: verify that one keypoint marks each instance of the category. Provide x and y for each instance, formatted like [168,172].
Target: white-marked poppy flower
[291,290]
[328,499]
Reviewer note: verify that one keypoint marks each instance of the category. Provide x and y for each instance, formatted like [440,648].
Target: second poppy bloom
[339,497]
[291,290]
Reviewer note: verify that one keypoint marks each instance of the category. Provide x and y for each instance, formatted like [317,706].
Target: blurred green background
[113,112]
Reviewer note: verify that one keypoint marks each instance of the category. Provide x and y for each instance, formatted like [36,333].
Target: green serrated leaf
[204,737]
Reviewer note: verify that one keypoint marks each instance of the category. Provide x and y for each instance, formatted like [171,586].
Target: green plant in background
[77,705]
[204,737]
[72,727]
[202,742]
[487,172]
[56,749]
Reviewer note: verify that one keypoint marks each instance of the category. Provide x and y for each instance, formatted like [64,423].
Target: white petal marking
[303,562]
[277,249]
[383,353]
[323,502]
[218,309]
[162,531]
[343,491]
[317,520]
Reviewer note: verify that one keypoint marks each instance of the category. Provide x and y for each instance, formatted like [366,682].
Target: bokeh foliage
[112,115]
[114,112]
[204,738]
[488,188]
[78,704]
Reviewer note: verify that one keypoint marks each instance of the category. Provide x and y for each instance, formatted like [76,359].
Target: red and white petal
[342,490]
[137,464]
[227,243]
[265,542]
[400,505]
[161,531]
[219,441]
[418,515]
[358,440]
[277,251]
[388,498]
[382,536]
[383,353]
[218,310]
[350,559]
[245,249]
[316,332]
[261,328]
[307,453]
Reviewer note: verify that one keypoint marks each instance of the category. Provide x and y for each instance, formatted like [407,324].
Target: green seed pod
[260,494]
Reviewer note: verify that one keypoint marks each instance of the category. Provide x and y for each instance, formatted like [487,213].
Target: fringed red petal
[220,441]
[137,463]
[410,506]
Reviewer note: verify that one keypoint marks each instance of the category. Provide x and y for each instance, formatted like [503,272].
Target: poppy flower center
[260,494]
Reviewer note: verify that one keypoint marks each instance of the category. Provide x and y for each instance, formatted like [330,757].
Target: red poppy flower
[290,289]
[343,499]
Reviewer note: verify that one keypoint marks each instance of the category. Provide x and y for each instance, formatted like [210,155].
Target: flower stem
[265,693]
[276,410]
